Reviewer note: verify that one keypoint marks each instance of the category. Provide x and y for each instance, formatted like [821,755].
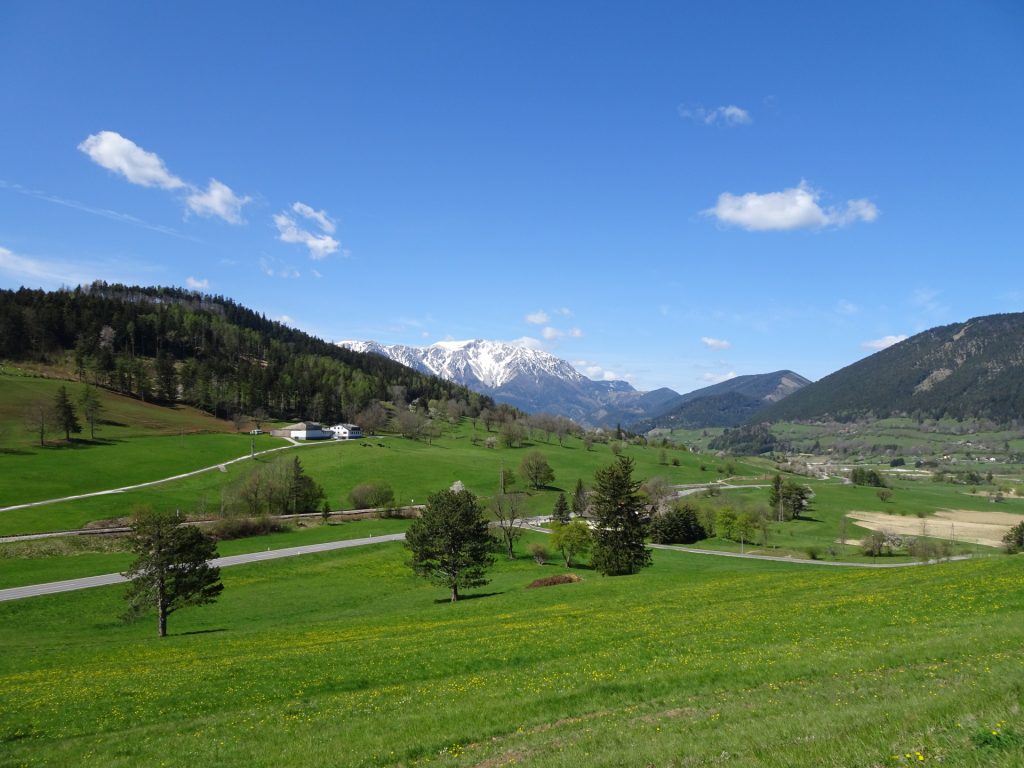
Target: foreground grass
[346,659]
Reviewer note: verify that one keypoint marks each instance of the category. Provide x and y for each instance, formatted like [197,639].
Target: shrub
[677,526]
[243,527]
[372,495]
[813,552]
[550,581]
[1014,539]
[539,553]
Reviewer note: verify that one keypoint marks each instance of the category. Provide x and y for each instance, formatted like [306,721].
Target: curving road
[53,587]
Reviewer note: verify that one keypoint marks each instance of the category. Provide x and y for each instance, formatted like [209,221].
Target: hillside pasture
[348,659]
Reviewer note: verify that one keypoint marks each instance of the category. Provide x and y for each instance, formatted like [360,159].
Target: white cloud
[882,343]
[538,318]
[564,311]
[325,222]
[550,333]
[529,342]
[795,208]
[218,200]
[711,343]
[727,115]
[195,284]
[718,378]
[120,155]
[576,333]
[116,153]
[845,307]
[320,246]
[286,320]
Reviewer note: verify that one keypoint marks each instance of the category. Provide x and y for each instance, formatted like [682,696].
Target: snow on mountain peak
[475,361]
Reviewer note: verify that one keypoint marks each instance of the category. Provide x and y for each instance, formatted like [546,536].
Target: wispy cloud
[718,378]
[53,273]
[550,333]
[325,222]
[538,318]
[727,115]
[712,343]
[124,157]
[195,284]
[882,343]
[272,268]
[794,208]
[844,307]
[321,245]
[103,212]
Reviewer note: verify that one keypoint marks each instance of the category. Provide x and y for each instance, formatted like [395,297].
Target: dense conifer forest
[172,345]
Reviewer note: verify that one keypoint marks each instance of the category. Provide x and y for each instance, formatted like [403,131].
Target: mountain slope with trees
[175,346]
[726,404]
[973,369]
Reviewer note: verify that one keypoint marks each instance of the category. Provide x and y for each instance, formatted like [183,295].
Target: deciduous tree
[571,539]
[535,469]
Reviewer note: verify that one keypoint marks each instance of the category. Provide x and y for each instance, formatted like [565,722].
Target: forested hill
[964,370]
[173,345]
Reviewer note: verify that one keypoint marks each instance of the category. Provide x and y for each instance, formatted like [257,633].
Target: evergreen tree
[579,499]
[775,495]
[172,569]
[91,407]
[561,510]
[619,536]
[450,542]
[64,413]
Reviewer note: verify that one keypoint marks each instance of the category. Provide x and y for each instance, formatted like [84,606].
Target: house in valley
[303,430]
[346,432]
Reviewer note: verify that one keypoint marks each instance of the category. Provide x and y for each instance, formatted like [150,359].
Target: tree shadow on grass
[473,596]
[203,631]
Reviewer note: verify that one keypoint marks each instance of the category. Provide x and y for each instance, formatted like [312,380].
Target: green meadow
[347,659]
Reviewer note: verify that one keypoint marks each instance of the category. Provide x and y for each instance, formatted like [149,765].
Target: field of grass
[413,468]
[137,442]
[72,557]
[347,659]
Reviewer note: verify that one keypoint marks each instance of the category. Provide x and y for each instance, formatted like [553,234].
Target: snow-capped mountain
[530,379]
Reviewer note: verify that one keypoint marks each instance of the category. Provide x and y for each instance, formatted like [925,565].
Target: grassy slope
[137,442]
[347,659]
[413,468]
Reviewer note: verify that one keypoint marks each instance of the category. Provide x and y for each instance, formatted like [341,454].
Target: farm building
[303,430]
[346,431]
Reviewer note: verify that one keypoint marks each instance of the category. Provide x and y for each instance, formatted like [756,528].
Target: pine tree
[450,542]
[561,510]
[172,569]
[619,535]
[64,413]
[579,499]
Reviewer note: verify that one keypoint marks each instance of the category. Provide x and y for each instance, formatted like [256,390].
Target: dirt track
[987,528]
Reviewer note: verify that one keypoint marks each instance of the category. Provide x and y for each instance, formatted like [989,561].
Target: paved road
[34,590]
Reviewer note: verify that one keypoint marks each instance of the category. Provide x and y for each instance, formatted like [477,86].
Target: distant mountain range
[971,369]
[726,404]
[538,382]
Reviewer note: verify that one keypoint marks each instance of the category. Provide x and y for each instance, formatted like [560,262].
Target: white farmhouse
[346,432]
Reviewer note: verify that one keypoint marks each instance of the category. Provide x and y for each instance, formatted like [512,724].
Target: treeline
[172,345]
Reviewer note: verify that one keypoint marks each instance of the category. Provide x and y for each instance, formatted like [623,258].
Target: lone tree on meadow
[571,539]
[450,544]
[561,509]
[89,402]
[535,469]
[172,569]
[619,532]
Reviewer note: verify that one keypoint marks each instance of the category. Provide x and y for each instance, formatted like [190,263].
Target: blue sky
[670,193]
